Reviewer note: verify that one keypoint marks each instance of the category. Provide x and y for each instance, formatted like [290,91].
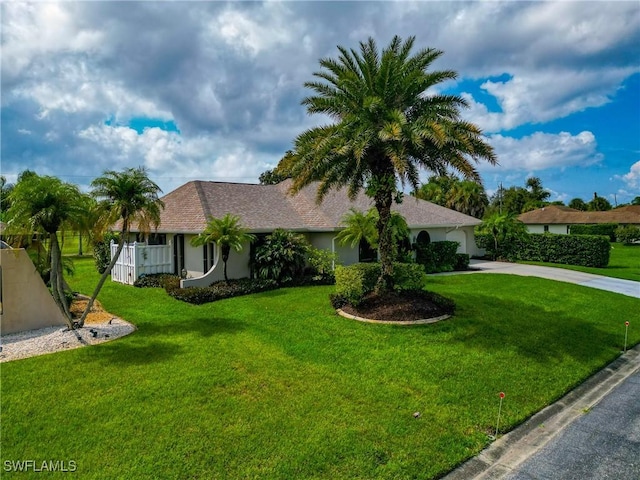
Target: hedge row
[221,290]
[608,229]
[584,250]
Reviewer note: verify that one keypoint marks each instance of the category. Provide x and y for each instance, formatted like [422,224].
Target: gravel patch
[53,339]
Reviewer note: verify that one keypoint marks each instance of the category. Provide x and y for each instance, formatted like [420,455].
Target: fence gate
[137,259]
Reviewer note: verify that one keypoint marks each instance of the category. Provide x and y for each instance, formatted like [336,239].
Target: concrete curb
[510,450]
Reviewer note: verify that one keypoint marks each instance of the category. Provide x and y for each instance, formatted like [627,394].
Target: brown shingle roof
[556,214]
[262,208]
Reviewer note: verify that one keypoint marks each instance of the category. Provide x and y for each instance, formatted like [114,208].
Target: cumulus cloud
[541,151]
[632,178]
[230,76]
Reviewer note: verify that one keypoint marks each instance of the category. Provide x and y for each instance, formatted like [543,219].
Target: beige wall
[26,301]
[559,229]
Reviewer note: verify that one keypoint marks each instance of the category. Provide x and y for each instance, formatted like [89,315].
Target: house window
[546,229]
[152,238]
[208,256]
[366,254]
[423,238]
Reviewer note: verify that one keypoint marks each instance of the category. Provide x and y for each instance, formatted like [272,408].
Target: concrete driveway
[617,285]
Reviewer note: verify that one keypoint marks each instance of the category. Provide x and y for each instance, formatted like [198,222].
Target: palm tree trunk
[103,279]
[226,249]
[56,281]
[383,198]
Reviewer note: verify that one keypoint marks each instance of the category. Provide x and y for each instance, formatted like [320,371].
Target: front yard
[275,385]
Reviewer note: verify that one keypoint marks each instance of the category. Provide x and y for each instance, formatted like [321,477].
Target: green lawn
[275,385]
[624,263]
[70,241]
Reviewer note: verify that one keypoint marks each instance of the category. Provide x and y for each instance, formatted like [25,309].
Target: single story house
[559,219]
[264,208]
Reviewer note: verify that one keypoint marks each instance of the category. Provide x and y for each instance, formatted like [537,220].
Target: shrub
[584,250]
[349,285]
[156,280]
[437,256]
[370,273]
[321,264]
[462,262]
[221,290]
[608,229]
[281,256]
[628,234]
[102,251]
[408,276]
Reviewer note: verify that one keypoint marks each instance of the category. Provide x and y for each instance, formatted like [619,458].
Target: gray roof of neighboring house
[556,214]
[263,208]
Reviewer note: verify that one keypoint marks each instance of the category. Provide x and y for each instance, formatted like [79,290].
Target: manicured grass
[275,385]
[70,244]
[624,263]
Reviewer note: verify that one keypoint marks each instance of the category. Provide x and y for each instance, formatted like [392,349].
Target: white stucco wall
[26,301]
[560,229]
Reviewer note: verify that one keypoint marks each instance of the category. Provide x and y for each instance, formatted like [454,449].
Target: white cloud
[31,30]
[540,151]
[172,159]
[544,96]
[631,179]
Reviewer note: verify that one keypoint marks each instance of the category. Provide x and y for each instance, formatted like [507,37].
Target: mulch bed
[394,306]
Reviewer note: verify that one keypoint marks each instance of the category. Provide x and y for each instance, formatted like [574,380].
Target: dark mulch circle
[405,306]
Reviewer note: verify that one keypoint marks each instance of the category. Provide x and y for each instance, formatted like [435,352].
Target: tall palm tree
[227,233]
[128,197]
[386,129]
[44,204]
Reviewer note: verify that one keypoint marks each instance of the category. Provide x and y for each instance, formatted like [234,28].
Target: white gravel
[53,339]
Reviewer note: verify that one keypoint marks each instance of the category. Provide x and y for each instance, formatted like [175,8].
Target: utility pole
[500,197]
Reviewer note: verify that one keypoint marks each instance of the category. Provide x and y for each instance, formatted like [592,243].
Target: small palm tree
[362,226]
[386,129]
[359,226]
[45,204]
[227,233]
[128,196]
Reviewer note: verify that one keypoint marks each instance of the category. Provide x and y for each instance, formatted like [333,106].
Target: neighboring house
[263,208]
[559,219]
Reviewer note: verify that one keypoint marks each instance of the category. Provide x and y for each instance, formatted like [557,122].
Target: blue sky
[212,90]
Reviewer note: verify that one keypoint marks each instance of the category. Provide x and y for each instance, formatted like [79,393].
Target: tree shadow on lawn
[202,325]
[532,331]
[143,347]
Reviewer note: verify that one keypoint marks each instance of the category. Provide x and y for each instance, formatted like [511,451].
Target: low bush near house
[221,290]
[462,262]
[156,280]
[437,256]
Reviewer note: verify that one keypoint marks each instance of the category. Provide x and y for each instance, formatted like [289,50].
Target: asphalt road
[604,443]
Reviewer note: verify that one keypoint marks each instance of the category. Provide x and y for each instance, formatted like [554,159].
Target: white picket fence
[137,259]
